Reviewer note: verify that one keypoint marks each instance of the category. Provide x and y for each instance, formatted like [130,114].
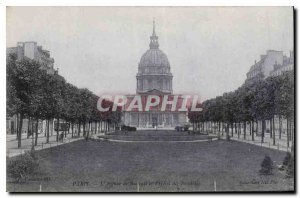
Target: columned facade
[152,118]
[154,77]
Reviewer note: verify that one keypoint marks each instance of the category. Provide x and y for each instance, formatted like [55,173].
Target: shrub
[186,127]
[228,137]
[124,128]
[128,128]
[290,169]
[287,159]
[288,163]
[22,166]
[266,166]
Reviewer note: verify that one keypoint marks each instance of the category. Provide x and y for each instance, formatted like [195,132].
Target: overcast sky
[210,49]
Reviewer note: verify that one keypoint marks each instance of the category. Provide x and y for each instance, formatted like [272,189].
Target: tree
[229,111]
[284,98]
[266,166]
[263,105]
[21,78]
[58,97]
[33,93]
[38,107]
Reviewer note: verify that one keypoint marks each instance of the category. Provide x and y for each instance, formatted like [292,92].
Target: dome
[154,58]
[154,69]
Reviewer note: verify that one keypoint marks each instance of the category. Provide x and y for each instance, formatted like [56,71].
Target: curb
[147,141]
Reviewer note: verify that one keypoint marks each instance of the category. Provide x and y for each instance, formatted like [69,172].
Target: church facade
[154,77]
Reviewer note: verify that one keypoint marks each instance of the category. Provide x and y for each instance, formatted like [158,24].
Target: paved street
[280,144]
[12,144]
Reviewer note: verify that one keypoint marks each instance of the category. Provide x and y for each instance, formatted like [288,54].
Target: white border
[4,3]
[149,3]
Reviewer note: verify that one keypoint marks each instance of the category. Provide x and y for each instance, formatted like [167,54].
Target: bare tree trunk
[280,126]
[84,129]
[104,127]
[19,131]
[69,127]
[52,121]
[28,127]
[256,127]
[65,128]
[17,127]
[93,129]
[235,130]
[222,128]
[45,132]
[292,131]
[245,130]
[79,129]
[72,129]
[36,132]
[274,134]
[287,133]
[239,130]
[271,128]
[57,130]
[88,131]
[227,131]
[215,128]
[48,131]
[252,131]
[263,122]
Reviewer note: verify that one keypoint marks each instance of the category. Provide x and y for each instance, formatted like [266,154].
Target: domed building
[154,71]
[154,77]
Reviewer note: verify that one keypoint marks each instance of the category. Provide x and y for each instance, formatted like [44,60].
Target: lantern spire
[153,39]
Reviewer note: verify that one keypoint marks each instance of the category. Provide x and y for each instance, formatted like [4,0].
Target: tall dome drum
[154,69]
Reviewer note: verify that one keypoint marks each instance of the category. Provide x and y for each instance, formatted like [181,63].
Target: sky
[210,49]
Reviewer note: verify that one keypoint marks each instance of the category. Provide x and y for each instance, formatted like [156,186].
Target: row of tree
[36,95]
[254,102]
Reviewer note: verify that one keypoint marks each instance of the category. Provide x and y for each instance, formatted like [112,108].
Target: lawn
[102,166]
